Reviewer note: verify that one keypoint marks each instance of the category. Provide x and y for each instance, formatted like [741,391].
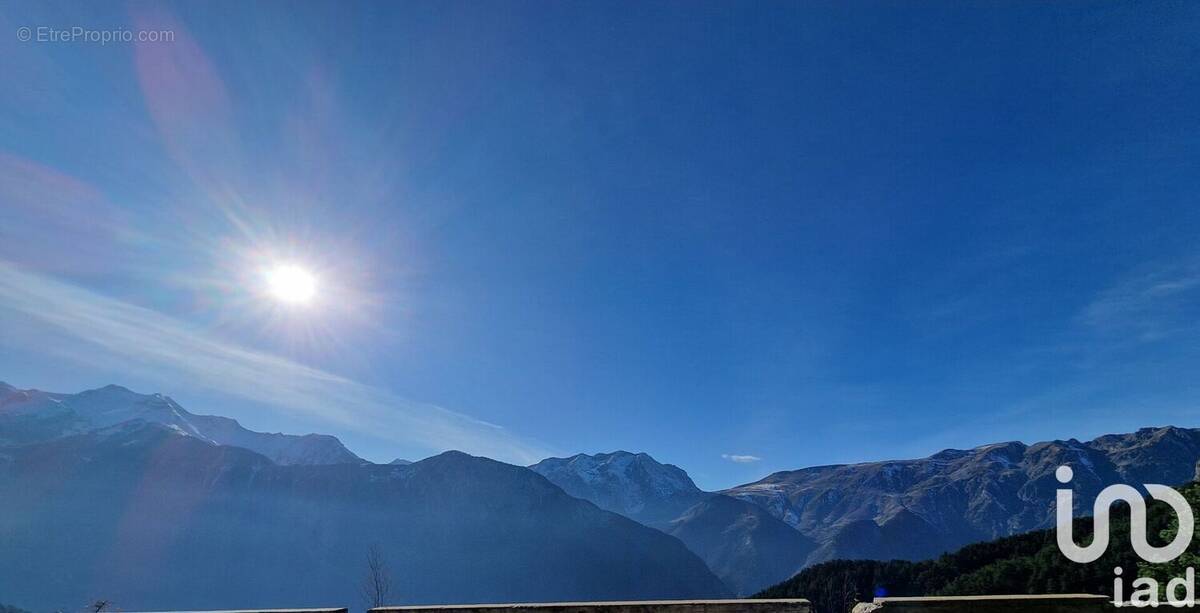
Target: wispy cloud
[740,459]
[110,331]
[1148,306]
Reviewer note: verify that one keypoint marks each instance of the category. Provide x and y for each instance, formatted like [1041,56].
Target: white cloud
[1150,306]
[111,333]
[740,459]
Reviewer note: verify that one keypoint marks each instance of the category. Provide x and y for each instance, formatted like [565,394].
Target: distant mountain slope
[632,484]
[33,415]
[154,519]
[746,547]
[915,509]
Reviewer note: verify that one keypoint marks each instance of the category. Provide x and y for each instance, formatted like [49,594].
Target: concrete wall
[261,611]
[641,606]
[1059,603]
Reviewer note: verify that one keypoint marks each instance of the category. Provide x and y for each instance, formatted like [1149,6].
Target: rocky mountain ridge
[915,509]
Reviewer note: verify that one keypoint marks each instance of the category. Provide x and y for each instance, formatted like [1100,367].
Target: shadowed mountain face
[33,415]
[151,518]
[915,509]
[743,544]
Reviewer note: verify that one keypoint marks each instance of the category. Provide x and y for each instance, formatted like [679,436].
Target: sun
[291,284]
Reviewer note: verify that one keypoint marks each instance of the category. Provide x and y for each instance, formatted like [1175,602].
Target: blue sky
[781,233]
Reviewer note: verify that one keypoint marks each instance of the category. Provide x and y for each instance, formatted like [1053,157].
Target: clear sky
[740,236]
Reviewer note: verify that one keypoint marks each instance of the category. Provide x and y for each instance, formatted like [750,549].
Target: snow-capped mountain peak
[113,404]
[631,469]
[33,415]
[633,484]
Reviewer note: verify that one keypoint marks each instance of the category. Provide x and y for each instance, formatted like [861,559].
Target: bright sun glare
[291,284]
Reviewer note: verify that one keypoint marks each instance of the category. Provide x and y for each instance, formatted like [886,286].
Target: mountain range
[916,509]
[757,534]
[153,512]
[114,494]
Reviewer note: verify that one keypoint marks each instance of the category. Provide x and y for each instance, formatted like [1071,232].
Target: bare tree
[836,594]
[377,585]
[99,606]
[849,593]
